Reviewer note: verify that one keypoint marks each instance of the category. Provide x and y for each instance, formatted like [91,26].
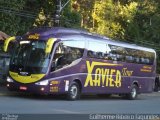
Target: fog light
[7,85]
[42,89]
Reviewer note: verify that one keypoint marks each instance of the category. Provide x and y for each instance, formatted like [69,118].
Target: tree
[85,9]
[71,17]
[106,19]
[10,23]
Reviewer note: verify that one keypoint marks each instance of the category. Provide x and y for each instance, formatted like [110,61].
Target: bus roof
[44,33]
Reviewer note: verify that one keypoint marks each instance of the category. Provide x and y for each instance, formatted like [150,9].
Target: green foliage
[85,9]
[7,23]
[18,16]
[70,17]
[112,17]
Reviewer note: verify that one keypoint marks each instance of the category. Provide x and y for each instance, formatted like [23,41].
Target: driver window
[67,52]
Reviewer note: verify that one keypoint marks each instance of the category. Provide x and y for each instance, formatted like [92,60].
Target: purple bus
[75,62]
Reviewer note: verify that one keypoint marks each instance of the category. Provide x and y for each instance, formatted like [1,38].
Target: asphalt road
[18,103]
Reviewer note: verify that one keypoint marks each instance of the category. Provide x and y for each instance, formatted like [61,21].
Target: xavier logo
[100,75]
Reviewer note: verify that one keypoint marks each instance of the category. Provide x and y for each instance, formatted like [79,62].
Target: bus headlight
[45,82]
[9,79]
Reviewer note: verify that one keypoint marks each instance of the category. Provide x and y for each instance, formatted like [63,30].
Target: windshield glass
[30,57]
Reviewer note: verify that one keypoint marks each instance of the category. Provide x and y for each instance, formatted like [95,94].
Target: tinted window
[98,50]
[67,52]
[120,53]
[117,53]
[30,57]
[101,50]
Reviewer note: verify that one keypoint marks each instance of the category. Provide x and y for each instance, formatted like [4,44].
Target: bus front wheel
[134,92]
[73,92]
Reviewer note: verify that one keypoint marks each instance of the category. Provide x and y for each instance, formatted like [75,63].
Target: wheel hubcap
[73,91]
[134,92]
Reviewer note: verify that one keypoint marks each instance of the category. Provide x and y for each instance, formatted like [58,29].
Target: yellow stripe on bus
[6,43]
[49,45]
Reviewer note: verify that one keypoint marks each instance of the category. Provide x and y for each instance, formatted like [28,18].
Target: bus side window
[91,54]
[100,55]
[129,59]
[117,53]
[97,50]
[67,52]
[137,60]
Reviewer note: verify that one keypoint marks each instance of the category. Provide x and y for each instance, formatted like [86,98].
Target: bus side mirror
[6,43]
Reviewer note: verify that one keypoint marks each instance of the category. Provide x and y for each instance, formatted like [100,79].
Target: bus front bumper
[32,88]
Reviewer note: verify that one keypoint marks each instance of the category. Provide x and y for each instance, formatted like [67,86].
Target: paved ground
[19,103]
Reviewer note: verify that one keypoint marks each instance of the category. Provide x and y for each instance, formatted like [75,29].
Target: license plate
[23,88]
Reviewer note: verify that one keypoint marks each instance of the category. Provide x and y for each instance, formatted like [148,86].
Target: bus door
[67,62]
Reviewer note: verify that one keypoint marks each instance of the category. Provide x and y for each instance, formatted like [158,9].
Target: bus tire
[73,92]
[134,92]
[156,85]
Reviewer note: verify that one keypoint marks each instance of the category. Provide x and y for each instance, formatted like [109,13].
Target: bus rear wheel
[133,94]
[74,92]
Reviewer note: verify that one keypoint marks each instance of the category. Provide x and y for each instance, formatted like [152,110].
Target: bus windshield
[30,57]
